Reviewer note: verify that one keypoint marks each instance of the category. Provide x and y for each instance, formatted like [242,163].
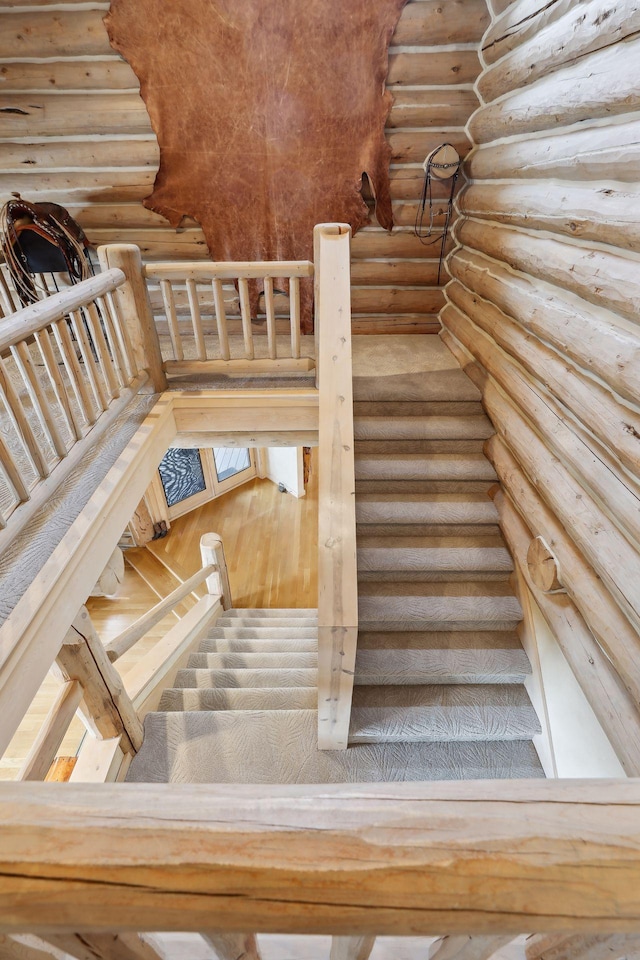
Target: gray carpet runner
[440,672]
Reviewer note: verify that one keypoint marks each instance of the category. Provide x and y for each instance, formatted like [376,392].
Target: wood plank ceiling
[74,130]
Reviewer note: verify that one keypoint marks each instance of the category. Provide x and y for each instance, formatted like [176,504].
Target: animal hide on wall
[267,115]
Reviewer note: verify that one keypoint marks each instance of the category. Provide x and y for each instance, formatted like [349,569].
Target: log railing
[490,857]
[193,304]
[337,573]
[111,706]
[67,369]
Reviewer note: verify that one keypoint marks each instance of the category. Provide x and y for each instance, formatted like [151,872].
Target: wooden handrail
[119,646]
[232,270]
[337,570]
[490,857]
[36,316]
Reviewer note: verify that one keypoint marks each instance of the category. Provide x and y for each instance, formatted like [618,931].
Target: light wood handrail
[489,857]
[116,648]
[250,270]
[337,571]
[36,316]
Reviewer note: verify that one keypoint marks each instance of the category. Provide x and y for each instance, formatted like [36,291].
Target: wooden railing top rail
[337,567]
[231,270]
[484,857]
[24,323]
[124,641]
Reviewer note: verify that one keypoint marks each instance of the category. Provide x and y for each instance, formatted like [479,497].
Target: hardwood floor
[270,541]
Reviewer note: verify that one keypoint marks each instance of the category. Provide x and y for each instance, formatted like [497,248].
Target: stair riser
[374,448]
[287,623]
[422,428]
[253,612]
[263,633]
[227,645]
[434,408]
[426,469]
[252,661]
[418,559]
[439,608]
[402,487]
[417,642]
[266,698]
[201,679]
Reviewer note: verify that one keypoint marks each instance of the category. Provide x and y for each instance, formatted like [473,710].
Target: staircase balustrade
[205,326]
[337,571]
[67,369]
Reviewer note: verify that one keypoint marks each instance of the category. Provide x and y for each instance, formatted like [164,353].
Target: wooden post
[134,309]
[469,948]
[337,569]
[103,946]
[543,566]
[212,553]
[233,946]
[108,710]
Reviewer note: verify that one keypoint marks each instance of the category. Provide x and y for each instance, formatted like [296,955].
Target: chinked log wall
[73,129]
[544,309]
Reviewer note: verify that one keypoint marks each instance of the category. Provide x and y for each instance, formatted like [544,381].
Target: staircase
[439,684]
[438,658]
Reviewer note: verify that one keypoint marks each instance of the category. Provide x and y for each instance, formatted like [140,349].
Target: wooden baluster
[271,317]
[74,370]
[221,319]
[122,333]
[89,363]
[115,347]
[172,319]
[23,428]
[196,319]
[24,361]
[104,359]
[9,302]
[351,948]
[245,311]
[13,473]
[294,308]
[49,359]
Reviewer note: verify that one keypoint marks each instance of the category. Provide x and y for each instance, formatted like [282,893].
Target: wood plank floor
[270,541]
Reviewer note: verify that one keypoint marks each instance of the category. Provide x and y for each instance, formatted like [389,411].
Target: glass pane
[230,460]
[181,474]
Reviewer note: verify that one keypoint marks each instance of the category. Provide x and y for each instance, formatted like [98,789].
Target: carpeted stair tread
[257,645]
[258,633]
[384,714]
[246,677]
[422,428]
[417,408]
[438,466]
[280,746]
[261,698]
[471,601]
[398,485]
[439,640]
[436,385]
[437,508]
[252,661]
[448,447]
[441,665]
[469,554]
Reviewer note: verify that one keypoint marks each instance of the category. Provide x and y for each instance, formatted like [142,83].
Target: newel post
[212,552]
[134,308]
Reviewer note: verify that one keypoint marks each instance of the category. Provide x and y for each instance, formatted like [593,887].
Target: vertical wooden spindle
[196,319]
[245,311]
[172,319]
[221,319]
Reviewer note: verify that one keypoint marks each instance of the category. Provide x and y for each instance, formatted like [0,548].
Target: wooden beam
[52,732]
[103,946]
[337,569]
[495,857]
[14,949]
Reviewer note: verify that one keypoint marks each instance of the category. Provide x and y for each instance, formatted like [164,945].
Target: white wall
[284,465]
[579,744]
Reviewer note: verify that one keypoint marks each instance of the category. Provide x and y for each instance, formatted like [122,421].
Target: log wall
[74,130]
[543,306]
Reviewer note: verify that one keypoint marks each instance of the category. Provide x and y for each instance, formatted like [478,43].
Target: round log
[111,577]
[543,566]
